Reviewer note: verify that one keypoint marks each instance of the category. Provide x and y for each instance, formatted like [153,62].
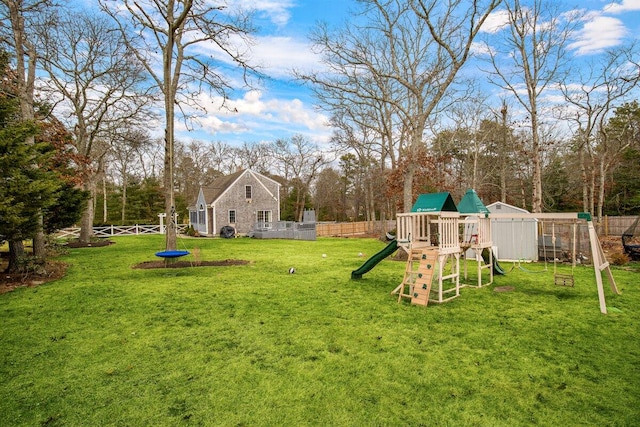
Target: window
[201,216]
[247,191]
[232,216]
[264,216]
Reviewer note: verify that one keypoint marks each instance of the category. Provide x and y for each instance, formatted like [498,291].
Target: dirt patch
[75,244]
[189,264]
[503,289]
[54,270]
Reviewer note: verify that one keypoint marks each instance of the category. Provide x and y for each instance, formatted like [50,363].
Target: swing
[544,251]
[558,278]
[168,255]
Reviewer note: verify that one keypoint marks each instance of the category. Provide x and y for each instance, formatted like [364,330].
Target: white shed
[513,239]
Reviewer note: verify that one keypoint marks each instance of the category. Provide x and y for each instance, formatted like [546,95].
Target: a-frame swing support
[600,262]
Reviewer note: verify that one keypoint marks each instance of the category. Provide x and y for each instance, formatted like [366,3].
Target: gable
[501,207]
[223,184]
[213,191]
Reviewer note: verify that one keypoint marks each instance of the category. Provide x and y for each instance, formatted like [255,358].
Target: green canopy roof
[434,202]
[471,203]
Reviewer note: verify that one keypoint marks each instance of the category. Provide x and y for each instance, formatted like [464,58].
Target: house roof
[471,203]
[217,188]
[219,185]
[434,202]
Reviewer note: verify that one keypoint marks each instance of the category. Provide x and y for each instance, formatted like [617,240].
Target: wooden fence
[117,230]
[614,225]
[329,229]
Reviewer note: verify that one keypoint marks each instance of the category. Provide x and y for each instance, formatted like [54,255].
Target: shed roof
[505,207]
[434,202]
[471,203]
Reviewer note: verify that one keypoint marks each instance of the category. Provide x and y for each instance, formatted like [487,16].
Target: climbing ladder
[418,275]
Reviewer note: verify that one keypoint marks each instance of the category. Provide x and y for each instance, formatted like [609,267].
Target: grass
[254,346]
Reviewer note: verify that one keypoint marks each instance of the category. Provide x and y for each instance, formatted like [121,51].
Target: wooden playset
[436,236]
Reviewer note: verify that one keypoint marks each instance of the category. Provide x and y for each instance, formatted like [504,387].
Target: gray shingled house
[238,200]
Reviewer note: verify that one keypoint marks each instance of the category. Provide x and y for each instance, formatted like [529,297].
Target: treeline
[491,158]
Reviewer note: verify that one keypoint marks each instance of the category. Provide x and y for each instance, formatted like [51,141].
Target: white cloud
[480,49]
[624,6]
[598,33]
[496,21]
[276,11]
[253,116]
[279,55]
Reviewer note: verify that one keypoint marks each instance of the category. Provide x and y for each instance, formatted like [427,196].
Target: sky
[279,107]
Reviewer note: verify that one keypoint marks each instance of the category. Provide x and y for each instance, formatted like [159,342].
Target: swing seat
[564,280]
[171,254]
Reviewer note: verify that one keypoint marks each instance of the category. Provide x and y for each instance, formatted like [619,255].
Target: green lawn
[254,346]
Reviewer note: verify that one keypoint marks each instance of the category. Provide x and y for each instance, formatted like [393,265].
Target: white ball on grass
[324,255]
[292,270]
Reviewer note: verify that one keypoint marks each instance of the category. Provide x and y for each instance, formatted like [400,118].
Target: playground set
[437,235]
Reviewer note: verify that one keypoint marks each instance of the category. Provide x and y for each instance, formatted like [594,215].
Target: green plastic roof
[471,203]
[434,202]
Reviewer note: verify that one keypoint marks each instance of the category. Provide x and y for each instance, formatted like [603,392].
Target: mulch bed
[75,244]
[54,270]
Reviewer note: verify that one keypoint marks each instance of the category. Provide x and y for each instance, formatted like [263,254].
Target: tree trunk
[104,200]
[592,189]
[407,189]
[39,246]
[585,185]
[16,256]
[86,221]
[536,202]
[169,204]
[601,183]
[124,199]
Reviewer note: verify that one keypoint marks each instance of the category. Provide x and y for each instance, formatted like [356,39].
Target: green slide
[497,268]
[375,259]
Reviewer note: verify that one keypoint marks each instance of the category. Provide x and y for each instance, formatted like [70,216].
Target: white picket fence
[118,230]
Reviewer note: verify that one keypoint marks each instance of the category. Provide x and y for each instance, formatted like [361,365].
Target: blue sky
[279,108]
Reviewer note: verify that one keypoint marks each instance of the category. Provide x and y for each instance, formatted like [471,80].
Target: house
[513,239]
[238,200]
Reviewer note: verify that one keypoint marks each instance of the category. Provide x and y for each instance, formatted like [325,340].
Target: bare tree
[126,144]
[361,141]
[405,55]
[96,83]
[195,168]
[178,41]
[328,197]
[530,61]
[223,157]
[254,156]
[591,100]
[298,161]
